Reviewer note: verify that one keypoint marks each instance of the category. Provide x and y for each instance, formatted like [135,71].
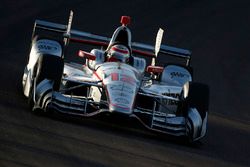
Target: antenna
[69,23]
[157,44]
[67,34]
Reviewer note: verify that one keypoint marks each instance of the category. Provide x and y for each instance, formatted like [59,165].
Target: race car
[114,80]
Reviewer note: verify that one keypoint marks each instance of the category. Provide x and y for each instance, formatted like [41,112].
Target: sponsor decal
[114,76]
[171,102]
[178,74]
[123,78]
[122,101]
[46,47]
[121,88]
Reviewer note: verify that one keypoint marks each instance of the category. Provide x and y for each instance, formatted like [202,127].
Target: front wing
[47,99]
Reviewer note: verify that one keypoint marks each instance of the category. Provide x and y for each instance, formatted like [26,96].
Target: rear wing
[71,35]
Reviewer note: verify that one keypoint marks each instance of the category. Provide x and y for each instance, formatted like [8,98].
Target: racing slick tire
[47,67]
[198,98]
[50,67]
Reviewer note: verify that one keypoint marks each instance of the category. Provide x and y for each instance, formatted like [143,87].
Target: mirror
[86,55]
[154,69]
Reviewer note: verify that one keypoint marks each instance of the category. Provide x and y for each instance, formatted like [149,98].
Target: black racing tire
[50,67]
[198,97]
[47,67]
[30,98]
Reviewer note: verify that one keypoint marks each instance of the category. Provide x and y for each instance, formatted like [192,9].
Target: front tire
[48,67]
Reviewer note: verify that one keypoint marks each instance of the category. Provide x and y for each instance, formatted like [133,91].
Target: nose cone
[121,105]
[121,97]
[120,85]
[121,88]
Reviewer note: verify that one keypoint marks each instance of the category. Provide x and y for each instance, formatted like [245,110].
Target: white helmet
[118,53]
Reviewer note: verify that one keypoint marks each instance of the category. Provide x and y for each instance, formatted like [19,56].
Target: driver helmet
[118,53]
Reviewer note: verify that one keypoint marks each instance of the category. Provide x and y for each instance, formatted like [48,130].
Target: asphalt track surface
[216,31]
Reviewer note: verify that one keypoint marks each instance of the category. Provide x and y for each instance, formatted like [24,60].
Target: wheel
[47,67]
[50,67]
[198,97]
[30,97]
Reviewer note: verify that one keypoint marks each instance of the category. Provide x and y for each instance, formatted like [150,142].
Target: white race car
[114,80]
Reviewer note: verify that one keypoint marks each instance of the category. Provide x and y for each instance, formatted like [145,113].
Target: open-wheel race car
[113,80]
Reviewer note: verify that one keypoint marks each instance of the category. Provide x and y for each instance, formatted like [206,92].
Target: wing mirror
[155,69]
[86,55]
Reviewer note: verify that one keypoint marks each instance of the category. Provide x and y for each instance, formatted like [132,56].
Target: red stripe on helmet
[119,50]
